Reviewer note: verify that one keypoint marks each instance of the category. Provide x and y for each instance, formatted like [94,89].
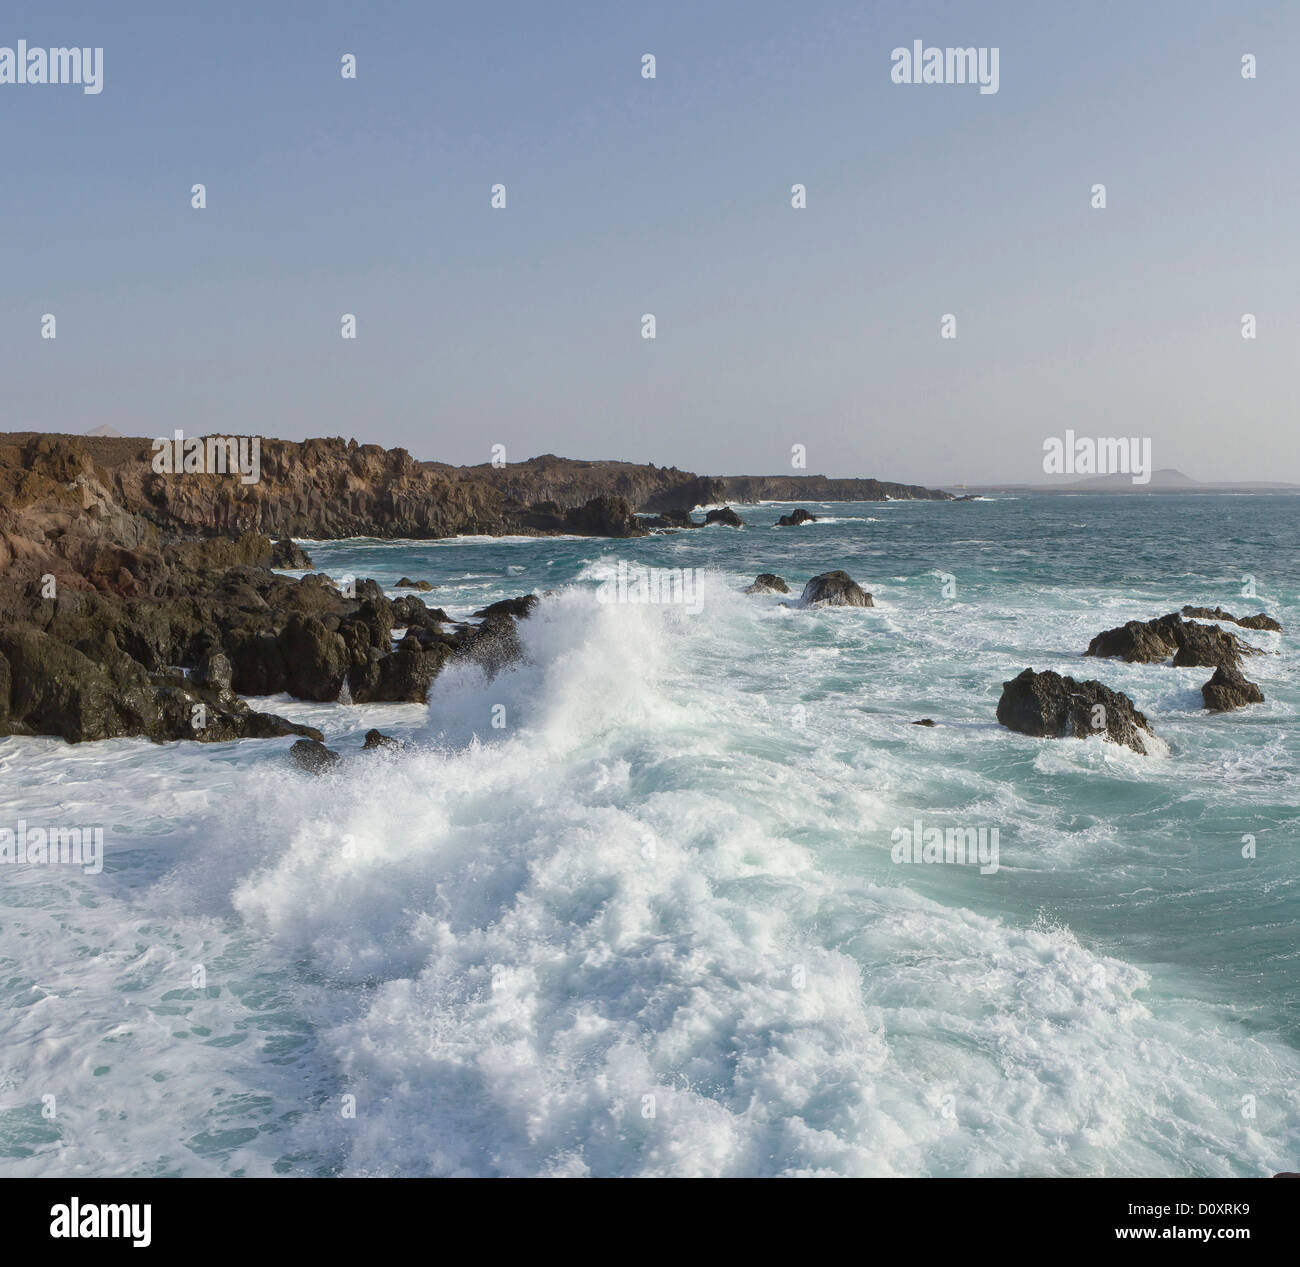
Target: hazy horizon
[776,327]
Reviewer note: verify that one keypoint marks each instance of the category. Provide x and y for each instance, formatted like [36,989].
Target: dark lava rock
[767,583]
[725,516]
[55,689]
[795,518]
[214,672]
[1189,643]
[287,553]
[401,677]
[494,644]
[925,721]
[315,660]
[519,607]
[313,756]
[50,688]
[834,589]
[411,612]
[603,516]
[187,711]
[1228,689]
[1246,622]
[670,519]
[1050,706]
[407,584]
[377,739]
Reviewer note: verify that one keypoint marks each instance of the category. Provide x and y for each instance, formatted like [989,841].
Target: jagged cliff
[569,482]
[92,510]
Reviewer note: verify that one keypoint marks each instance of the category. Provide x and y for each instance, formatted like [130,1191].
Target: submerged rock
[407,584]
[834,589]
[725,516]
[1228,689]
[377,739]
[1048,705]
[313,756]
[795,518]
[925,721]
[767,583]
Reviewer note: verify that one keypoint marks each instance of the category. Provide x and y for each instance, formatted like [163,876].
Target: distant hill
[1166,480]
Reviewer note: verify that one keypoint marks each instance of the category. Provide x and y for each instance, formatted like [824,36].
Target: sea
[640,904]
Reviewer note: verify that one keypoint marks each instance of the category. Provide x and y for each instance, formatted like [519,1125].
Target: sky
[775,327]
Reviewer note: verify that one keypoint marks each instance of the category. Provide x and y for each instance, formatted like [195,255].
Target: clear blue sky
[672,196]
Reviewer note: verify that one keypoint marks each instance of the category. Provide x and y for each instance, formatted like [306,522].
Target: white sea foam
[657,880]
[669,875]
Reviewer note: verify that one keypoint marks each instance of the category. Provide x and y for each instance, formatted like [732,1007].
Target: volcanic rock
[725,516]
[313,756]
[767,583]
[287,553]
[1189,643]
[834,589]
[1246,622]
[1228,689]
[795,518]
[1050,706]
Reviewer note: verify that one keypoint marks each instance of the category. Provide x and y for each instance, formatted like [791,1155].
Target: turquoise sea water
[632,907]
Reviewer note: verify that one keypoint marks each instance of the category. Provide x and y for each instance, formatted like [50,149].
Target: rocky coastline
[143,602]
[134,603]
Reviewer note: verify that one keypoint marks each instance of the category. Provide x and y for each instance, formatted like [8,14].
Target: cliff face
[107,487]
[818,488]
[661,489]
[94,508]
[317,488]
[569,482]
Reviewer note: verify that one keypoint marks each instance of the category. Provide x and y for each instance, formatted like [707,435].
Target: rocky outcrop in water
[95,690]
[834,589]
[724,515]
[1246,622]
[1186,641]
[767,583]
[1050,706]
[313,756]
[1228,689]
[519,607]
[795,518]
[669,521]
[86,663]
